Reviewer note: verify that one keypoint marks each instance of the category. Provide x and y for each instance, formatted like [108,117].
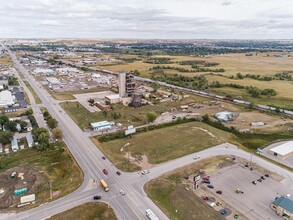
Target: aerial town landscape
[146,128]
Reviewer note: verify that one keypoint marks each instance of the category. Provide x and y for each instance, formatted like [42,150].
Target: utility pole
[250,159]
[50,191]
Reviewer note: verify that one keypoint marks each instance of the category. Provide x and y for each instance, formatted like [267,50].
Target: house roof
[285,203]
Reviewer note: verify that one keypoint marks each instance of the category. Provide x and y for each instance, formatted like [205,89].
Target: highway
[132,206]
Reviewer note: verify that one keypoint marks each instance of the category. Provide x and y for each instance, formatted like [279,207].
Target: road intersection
[132,206]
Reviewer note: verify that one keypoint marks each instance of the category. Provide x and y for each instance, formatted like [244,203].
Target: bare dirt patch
[31,180]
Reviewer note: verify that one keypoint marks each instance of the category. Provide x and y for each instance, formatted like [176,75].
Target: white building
[6,99]
[39,71]
[53,80]
[224,116]
[101,125]
[14,144]
[283,151]
[67,70]
[30,140]
[113,99]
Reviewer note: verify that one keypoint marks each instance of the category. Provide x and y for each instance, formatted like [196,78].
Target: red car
[205,198]
[105,171]
[206,178]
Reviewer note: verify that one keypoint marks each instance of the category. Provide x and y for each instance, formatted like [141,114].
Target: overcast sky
[168,19]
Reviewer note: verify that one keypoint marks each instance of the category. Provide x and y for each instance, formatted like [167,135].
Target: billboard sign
[196,178]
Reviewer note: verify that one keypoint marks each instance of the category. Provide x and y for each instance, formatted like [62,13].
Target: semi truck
[151,216]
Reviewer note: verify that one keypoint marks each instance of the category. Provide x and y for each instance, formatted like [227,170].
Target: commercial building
[112,99]
[283,151]
[122,85]
[224,116]
[102,125]
[6,99]
[126,84]
[257,124]
[47,72]
[67,70]
[53,80]
[284,207]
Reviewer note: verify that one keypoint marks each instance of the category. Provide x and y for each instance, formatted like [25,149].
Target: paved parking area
[256,199]
[97,96]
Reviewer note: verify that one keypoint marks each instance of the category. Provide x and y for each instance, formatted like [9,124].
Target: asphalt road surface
[132,206]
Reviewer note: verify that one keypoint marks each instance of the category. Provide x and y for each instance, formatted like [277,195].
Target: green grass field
[164,144]
[56,165]
[36,97]
[87,211]
[170,194]
[129,116]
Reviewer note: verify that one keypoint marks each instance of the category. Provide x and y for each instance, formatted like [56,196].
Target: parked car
[218,203]
[262,178]
[253,182]
[205,198]
[196,157]
[105,171]
[207,181]
[104,158]
[97,197]
[118,173]
[223,212]
[259,180]
[219,192]
[267,175]
[122,192]
[145,172]
[210,186]
[206,178]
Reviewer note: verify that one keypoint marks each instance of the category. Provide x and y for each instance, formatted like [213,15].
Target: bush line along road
[88,156]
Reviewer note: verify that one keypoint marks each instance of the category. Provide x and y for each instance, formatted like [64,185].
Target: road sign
[196,178]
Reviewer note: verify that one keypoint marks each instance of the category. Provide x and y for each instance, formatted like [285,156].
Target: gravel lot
[256,199]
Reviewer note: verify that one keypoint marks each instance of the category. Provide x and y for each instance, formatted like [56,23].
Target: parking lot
[256,199]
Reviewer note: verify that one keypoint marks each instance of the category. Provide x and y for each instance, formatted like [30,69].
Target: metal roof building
[30,140]
[283,151]
[283,207]
[101,125]
[6,99]
[14,144]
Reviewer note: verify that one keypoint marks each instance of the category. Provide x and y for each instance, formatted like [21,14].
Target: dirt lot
[272,123]
[31,180]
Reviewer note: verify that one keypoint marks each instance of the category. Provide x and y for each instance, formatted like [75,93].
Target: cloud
[141,19]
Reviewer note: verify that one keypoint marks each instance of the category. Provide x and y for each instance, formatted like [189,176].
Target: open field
[170,194]
[163,144]
[36,97]
[87,211]
[129,116]
[55,166]
[5,60]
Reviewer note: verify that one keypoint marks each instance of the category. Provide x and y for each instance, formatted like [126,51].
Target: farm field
[87,211]
[163,144]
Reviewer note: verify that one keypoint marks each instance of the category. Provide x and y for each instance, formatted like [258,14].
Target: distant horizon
[153,19]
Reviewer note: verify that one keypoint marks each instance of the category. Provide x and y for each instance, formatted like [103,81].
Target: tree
[11,126]
[57,132]
[52,123]
[105,113]
[42,136]
[38,131]
[3,119]
[155,86]
[46,114]
[136,73]
[152,116]
[91,101]
[5,136]
[22,124]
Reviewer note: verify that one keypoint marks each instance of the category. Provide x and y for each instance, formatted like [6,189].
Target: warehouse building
[283,151]
[6,99]
[102,125]
[283,206]
[112,99]
[53,80]
[225,116]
